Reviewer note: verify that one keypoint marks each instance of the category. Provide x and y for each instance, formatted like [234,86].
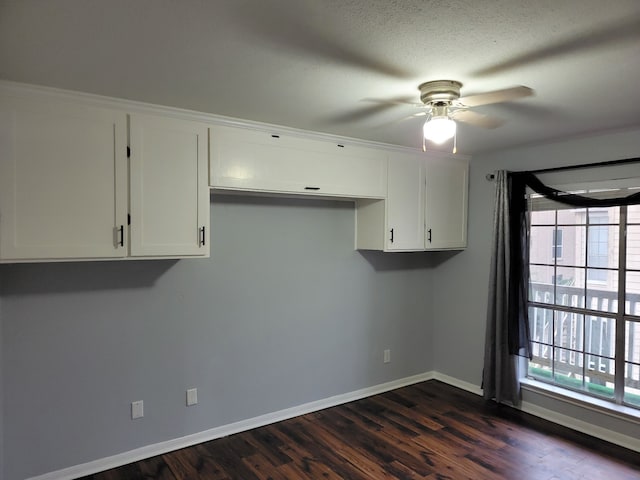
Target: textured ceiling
[330,65]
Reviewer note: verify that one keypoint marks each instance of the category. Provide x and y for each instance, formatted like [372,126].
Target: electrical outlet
[192,396]
[137,409]
[387,356]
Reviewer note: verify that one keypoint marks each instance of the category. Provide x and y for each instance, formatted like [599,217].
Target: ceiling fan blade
[404,119]
[410,117]
[396,101]
[476,119]
[497,96]
[359,114]
[531,111]
[379,106]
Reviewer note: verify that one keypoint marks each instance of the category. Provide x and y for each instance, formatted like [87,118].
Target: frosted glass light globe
[439,129]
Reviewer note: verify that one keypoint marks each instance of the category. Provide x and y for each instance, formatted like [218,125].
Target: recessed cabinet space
[68,190]
[425,208]
[269,162]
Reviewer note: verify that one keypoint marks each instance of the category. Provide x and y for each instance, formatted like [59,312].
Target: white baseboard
[225,430]
[255,422]
[454,382]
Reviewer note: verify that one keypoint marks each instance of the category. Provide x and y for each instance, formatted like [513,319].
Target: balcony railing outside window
[577,350]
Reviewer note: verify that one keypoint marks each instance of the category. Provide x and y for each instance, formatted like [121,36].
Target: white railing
[585,343]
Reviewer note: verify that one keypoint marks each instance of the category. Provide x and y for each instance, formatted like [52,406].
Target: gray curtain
[500,375]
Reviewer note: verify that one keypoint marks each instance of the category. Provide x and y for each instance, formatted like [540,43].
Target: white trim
[133,106]
[583,427]
[149,451]
[578,399]
[454,382]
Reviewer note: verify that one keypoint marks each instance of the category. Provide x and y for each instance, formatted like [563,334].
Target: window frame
[619,318]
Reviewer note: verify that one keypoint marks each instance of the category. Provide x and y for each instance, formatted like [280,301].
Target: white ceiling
[321,64]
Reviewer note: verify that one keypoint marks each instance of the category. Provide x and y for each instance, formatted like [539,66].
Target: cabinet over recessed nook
[405,200]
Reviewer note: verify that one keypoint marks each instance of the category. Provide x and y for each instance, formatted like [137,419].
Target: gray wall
[283,313]
[460,325]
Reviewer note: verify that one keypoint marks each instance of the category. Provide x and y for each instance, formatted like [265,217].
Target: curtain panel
[505,337]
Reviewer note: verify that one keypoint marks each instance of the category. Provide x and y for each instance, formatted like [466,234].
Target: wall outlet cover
[387,356]
[137,409]
[192,396]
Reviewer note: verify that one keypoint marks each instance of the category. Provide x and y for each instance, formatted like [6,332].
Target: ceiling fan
[443,106]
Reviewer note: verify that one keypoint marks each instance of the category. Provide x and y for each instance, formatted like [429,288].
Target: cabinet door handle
[312,188]
[121,234]
[429,237]
[391,235]
[203,236]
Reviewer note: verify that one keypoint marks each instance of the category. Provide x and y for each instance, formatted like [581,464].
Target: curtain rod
[608,163]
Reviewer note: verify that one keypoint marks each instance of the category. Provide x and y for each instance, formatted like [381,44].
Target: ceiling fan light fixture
[439,129]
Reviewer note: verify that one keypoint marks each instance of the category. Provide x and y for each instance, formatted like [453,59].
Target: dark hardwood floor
[425,431]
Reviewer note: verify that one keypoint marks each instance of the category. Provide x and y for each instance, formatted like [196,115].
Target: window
[584,300]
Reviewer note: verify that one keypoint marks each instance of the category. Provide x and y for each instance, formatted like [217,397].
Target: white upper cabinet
[88,178]
[447,185]
[425,208]
[69,192]
[169,192]
[259,161]
[405,203]
[63,180]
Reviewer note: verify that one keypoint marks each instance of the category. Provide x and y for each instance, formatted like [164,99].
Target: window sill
[621,412]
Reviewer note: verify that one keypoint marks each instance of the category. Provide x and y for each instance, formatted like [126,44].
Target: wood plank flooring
[425,431]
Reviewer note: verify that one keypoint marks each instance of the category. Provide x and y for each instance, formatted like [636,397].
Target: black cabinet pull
[392,235]
[312,188]
[121,233]
[429,237]
[203,236]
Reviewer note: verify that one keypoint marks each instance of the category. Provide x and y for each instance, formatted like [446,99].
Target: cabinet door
[168,189]
[62,180]
[258,161]
[347,170]
[405,203]
[446,203]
